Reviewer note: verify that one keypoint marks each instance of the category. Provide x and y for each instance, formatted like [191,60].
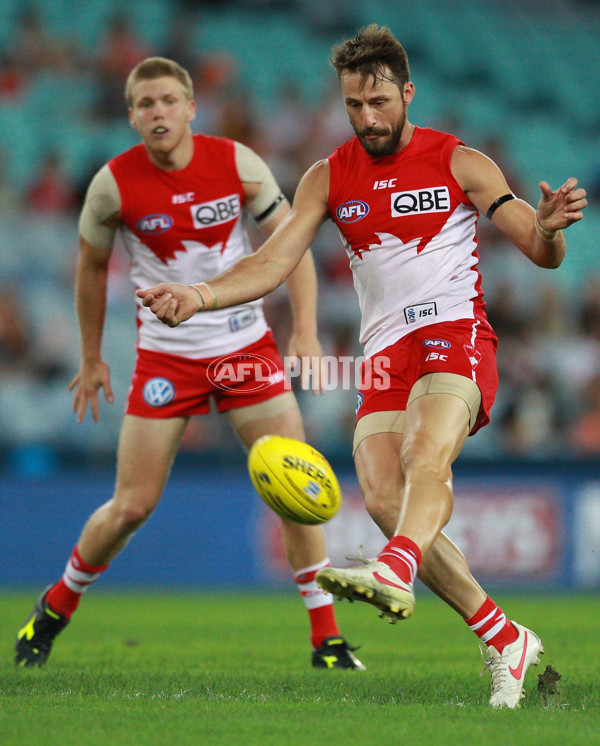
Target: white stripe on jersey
[473,341]
[391,277]
[205,334]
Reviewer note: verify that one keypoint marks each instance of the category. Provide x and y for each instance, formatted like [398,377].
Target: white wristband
[213,302]
[197,289]
[542,232]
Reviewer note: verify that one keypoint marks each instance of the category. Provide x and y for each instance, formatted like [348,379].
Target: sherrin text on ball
[294,479]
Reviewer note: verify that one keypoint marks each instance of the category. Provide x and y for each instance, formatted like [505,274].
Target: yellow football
[294,479]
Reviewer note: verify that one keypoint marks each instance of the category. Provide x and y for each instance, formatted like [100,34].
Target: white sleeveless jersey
[410,234]
[180,226]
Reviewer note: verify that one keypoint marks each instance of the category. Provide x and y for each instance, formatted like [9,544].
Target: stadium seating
[524,78]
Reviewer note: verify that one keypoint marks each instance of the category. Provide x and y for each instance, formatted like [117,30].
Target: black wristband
[496,204]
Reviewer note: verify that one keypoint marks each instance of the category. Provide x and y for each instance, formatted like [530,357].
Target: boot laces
[361,558]
[496,665]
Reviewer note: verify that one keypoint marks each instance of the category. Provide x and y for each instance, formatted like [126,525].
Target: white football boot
[373,582]
[508,670]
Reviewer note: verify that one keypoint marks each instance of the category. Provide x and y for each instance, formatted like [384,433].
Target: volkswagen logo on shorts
[158,392]
[230,372]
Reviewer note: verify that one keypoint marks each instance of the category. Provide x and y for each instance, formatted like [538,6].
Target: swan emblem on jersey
[473,355]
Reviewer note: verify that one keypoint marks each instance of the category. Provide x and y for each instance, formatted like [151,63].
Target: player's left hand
[304,349]
[171,302]
[561,208]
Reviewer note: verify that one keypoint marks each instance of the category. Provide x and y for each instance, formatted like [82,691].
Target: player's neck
[407,134]
[177,158]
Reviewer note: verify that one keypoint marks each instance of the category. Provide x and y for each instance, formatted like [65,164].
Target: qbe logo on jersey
[216,212]
[432,199]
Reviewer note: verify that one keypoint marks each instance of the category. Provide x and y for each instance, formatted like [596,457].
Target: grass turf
[149,668]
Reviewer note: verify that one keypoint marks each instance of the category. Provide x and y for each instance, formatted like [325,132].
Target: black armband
[496,204]
[269,210]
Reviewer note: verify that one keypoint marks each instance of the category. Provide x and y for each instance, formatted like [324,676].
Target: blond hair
[158,67]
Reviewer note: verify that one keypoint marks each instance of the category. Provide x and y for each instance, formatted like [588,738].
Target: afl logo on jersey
[158,392]
[437,343]
[351,211]
[155,224]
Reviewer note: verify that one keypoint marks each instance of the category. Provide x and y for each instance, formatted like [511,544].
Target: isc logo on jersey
[432,199]
[216,212]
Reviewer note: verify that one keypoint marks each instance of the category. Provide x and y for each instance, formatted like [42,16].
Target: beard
[385,145]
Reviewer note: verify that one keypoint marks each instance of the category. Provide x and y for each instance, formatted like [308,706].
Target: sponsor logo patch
[436,356]
[412,314]
[181,199]
[242,319]
[437,343]
[155,224]
[432,199]
[353,210]
[216,212]
[158,392]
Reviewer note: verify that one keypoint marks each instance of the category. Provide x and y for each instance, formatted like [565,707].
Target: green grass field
[151,669]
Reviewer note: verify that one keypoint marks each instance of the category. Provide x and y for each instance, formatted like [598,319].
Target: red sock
[65,595]
[319,604]
[492,627]
[403,556]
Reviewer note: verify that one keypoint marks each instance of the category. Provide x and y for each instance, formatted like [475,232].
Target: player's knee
[129,517]
[382,499]
[422,460]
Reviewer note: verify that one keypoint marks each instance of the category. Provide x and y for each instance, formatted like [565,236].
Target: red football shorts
[465,347]
[165,385]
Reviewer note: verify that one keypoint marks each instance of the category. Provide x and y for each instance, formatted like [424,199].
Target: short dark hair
[369,53]
[158,67]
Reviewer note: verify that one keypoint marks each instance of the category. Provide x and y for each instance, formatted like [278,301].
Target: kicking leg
[444,568]
[412,470]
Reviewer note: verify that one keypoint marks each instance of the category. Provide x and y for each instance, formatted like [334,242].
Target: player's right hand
[171,302]
[86,383]
[562,207]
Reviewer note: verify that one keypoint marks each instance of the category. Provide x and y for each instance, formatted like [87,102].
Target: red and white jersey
[410,233]
[181,226]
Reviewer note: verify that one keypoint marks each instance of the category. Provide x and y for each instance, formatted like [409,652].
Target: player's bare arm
[270,207]
[256,275]
[536,232]
[100,217]
[90,295]
[302,286]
